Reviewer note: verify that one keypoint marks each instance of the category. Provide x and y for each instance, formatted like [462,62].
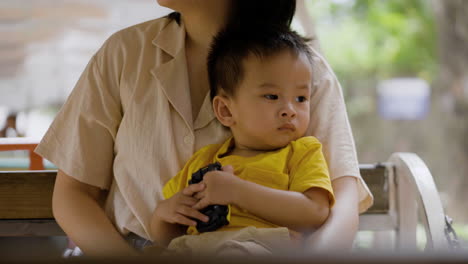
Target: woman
[141,109]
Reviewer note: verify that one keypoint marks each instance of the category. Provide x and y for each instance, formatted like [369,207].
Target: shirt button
[188,140]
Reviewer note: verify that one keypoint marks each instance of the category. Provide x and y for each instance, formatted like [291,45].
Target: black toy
[216,213]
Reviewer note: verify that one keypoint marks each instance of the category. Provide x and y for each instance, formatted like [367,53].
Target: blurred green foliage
[366,41]
[377,39]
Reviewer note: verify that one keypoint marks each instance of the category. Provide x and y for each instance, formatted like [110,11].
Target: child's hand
[219,188]
[179,208]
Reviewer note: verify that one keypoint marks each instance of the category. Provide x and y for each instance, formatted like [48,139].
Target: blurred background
[403,66]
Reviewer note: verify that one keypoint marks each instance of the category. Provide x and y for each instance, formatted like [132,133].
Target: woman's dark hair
[245,13]
[232,46]
[174,16]
[278,13]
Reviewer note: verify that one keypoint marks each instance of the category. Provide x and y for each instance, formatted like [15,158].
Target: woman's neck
[203,25]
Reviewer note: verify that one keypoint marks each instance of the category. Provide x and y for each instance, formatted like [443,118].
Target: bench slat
[28,194]
[30,228]
[376,178]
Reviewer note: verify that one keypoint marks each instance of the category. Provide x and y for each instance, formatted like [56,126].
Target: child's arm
[163,232]
[299,211]
[173,215]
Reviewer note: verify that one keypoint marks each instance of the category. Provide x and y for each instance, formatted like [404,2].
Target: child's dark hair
[231,47]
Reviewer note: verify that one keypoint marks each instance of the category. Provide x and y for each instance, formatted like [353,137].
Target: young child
[274,180]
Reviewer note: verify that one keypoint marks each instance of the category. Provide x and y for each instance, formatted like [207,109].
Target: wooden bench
[402,187]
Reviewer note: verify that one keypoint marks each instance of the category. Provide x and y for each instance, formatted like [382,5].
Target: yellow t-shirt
[297,167]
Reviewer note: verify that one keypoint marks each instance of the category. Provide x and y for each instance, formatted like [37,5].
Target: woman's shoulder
[320,67]
[149,28]
[137,35]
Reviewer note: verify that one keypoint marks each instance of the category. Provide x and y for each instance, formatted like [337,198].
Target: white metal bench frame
[412,192]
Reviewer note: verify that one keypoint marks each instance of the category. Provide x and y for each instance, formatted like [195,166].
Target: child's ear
[221,108]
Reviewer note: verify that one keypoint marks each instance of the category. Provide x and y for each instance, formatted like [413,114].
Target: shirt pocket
[265,177]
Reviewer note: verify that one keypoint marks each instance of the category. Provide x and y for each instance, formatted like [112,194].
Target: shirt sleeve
[330,125]
[308,168]
[200,159]
[175,184]
[80,140]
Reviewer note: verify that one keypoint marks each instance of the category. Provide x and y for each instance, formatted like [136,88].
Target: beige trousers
[249,241]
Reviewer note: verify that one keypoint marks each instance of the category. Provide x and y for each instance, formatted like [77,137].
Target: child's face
[271,106]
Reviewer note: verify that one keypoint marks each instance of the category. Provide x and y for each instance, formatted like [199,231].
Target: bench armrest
[414,176]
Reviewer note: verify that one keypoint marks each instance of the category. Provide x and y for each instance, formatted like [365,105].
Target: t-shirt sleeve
[200,159]
[308,168]
[329,123]
[80,140]
[175,184]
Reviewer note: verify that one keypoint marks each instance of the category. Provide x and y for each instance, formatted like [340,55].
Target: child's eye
[301,99]
[271,96]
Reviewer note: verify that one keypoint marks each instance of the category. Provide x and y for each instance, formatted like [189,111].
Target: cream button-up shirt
[127,126]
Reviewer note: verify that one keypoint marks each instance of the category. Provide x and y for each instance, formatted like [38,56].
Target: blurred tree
[384,38]
[452,83]
[452,24]
[403,36]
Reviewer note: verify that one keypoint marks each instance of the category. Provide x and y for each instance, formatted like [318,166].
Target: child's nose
[288,111]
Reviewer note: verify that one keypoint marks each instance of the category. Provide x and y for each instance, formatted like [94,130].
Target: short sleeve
[176,184]
[308,168]
[200,159]
[329,123]
[80,140]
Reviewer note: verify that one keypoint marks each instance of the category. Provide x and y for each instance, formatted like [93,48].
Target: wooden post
[10,144]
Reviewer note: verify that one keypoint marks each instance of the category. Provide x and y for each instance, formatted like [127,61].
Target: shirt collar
[171,39]
[225,147]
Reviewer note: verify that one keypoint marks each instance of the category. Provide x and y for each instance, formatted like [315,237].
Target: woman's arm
[340,229]
[77,207]
[163,232]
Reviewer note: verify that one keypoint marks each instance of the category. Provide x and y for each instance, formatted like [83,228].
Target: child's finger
[180,219]
[193,188]
[199,195]
[192,213]
[201,204]
[189,201]
[228,168]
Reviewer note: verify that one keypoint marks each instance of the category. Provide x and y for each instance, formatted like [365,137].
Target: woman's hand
[220,188]
[179,208]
